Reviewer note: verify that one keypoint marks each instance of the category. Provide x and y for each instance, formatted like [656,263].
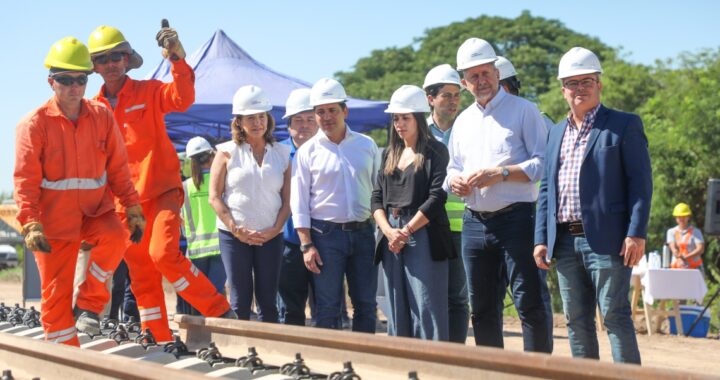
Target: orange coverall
[155,170]
[65,176]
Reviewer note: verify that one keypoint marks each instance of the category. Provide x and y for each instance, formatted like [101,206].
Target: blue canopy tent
[221,67]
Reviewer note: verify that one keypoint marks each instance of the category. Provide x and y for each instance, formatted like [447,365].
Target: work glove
[167,38]
[35,238]
[135,222]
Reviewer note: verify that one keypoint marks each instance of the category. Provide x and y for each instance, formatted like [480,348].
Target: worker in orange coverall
[139,107]
[69,161]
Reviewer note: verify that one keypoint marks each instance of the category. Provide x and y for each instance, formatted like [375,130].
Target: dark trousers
[504,242]
[252,270]
[458,302]
[122,302]
[295,283]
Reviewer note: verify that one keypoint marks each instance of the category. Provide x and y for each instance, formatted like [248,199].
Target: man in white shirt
[496,156]
[332,181]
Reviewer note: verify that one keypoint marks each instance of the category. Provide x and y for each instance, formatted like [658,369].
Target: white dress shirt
[507,131]
[252,192]
[333,182]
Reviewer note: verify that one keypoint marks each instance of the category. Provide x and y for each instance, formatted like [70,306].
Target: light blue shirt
[507,131]
[439,134]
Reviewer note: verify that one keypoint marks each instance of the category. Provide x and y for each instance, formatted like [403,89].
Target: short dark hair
[434,89]
[512,83]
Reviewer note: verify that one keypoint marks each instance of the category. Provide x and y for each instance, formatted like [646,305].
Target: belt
[350,226]
[573,228]
[396,211]
[491,214]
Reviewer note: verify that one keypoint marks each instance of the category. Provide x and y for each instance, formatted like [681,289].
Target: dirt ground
[658,350]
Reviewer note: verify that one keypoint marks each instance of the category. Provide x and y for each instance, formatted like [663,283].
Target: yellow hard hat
[682,209]
[105,38]
[69,54]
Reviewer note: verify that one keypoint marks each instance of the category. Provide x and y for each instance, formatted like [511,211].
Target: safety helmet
[108,39]
[69,54]
[578,61]
[327,91]
[197,145]
[408,99]
[298,101]
[506,67]
[443,74]
[250,100]
[682,209]
[475,52]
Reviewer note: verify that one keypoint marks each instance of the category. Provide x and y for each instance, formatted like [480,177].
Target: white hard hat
[197,145]
[474,52]
[578,61]
[298,101]
[327,91]
[408,99]
[506,67]
[250,100]
[443,74]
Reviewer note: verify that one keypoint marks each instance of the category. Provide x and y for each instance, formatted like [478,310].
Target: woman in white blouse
[250,192]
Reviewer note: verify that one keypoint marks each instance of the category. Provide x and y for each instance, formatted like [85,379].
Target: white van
[8,256]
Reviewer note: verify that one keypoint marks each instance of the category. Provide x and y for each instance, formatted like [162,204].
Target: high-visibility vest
[199,216]
[682,242]
[455,208]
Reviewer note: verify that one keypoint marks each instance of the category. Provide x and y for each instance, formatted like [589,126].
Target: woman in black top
[408,205]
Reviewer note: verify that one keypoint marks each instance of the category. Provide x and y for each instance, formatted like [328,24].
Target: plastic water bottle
[655,261]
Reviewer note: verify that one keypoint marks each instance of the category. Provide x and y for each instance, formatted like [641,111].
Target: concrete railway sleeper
[230,349]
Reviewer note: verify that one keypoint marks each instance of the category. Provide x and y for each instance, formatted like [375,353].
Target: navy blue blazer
[615,183]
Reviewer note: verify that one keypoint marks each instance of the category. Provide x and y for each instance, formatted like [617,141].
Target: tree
[534,44]
[681,122]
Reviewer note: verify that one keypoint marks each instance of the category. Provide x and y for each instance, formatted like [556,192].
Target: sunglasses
[105,58]
[67,80]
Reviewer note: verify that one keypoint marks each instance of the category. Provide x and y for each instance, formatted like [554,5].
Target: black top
[411,189]
[418,190]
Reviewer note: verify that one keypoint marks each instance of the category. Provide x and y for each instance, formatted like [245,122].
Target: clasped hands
[462,186]
[253,237]
[397,238]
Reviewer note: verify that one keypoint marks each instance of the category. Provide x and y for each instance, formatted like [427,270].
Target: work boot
[87,322]
[230,314]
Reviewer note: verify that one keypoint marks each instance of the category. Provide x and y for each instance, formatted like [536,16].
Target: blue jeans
[458,302]
[494,248]
[416,289]
[587,279]
[252,270]
[295,282]
[345,253]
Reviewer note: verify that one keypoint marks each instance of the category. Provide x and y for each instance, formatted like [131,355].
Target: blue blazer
[615,183]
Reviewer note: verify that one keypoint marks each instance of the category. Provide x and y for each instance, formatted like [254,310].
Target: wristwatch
[505,173]
[306,247]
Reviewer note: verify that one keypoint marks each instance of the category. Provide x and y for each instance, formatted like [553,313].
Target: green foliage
[681,122]
[533,44]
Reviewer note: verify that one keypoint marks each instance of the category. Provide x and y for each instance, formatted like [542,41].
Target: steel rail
[392,357]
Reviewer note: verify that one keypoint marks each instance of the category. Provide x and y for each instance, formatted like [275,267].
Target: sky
[313,39]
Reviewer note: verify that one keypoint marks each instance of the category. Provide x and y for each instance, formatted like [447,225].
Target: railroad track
[231,349]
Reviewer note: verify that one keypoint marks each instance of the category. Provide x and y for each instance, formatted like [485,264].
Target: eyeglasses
[105,58]
[67,80]
[574,84]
